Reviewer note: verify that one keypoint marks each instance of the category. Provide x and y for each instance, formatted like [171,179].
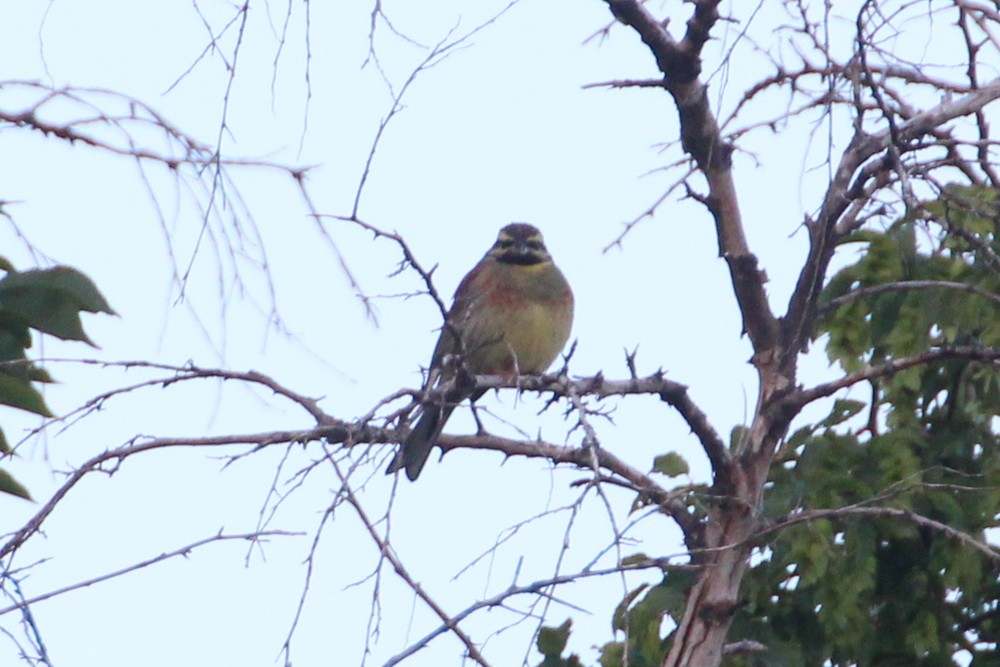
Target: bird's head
[520,243]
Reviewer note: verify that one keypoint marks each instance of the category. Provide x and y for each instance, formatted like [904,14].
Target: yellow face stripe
[519,244]
[536,267]
[507,237]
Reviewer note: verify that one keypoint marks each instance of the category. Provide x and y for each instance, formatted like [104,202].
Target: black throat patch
[520,259]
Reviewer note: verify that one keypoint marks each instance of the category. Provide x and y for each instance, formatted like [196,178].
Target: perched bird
[511,316]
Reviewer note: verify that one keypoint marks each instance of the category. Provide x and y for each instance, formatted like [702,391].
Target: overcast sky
[502,130]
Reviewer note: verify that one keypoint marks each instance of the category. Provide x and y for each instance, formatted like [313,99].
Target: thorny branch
[184,551]
[796,400]
[386,552]
[353,433]
[701,138]
[847,186]
[539,587]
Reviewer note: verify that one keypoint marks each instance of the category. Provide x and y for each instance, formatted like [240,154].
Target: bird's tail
[413,454]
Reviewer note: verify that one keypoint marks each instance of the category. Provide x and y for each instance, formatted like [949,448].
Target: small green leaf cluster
[551,643]
[49,301]
[639,617]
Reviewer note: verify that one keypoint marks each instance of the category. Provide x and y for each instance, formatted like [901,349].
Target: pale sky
[500,131]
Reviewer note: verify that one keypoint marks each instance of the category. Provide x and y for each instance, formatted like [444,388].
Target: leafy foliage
[49,301]
[881,590]
[870,587]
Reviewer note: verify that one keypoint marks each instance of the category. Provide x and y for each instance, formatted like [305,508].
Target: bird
[511,315]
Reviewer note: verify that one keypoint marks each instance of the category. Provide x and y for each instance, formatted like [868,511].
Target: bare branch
[795,400]
[141,117]
[539,587]
[701,138]
[991,552]
[628,83]
[389,555]
[670,502]
[669,391]
[745,646]
[183,551]
[907,286]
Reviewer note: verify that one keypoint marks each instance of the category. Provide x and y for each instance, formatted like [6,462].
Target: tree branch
[844,189]
[673,393]
[351,433]
[539,587]
[670,502]
[701,138]
[905,286]
[795,400]
[387,552]
[988,550]
[183,551]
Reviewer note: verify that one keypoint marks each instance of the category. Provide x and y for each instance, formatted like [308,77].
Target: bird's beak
[521,251]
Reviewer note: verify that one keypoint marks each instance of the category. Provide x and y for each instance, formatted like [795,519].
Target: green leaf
[644,619]
[635,558]
[50,300]
[551,641]
[619,618]
[800,437]
[15,338]
[671,464]
[843,410]
[18,393]
[47,311]
[4,445]
[69,282]
[612,655]
[674,587]
[13,360]
[10,486]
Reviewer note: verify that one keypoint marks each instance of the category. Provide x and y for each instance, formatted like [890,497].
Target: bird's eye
[534,245]
[505,243]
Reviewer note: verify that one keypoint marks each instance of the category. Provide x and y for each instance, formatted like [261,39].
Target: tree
[895,150]
[870,546]
[826,528]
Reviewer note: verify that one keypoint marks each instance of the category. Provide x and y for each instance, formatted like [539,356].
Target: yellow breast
[522,323]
